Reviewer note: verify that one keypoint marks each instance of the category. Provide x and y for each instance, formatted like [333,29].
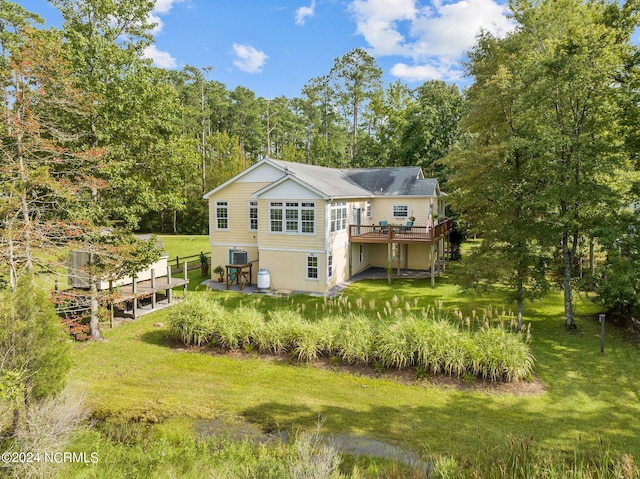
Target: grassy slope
[588,397]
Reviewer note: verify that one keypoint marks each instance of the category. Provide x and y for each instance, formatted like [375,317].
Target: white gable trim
[269,190]
[243,173]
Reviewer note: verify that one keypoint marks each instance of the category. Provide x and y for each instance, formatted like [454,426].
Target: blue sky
[274,47]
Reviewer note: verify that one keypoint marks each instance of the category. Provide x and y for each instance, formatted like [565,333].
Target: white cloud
[160,59]
[435,36]
[421,73]
[303,12]
[248,59]
[377,22]
[164,6]
[161,7]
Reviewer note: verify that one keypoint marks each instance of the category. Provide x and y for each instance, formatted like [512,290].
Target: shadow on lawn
[481,425]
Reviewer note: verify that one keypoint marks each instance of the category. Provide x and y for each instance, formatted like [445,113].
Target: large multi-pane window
[253,216]
[222,215]
[338,216]
[400,211]
[292,217]
[312,267]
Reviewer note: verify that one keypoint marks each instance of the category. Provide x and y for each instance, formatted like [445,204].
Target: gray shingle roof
[363,182]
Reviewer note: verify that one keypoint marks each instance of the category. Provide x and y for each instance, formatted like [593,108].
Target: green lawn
[588,397]
[185,245]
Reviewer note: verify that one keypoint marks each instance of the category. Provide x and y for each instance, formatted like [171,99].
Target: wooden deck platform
[399,234]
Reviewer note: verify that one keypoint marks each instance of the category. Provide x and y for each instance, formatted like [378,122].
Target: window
[368,209]
[275,217]
[312,267]
[292,217]
[291,213]
[361,253]
[338,216]
[330,265]
[400,211]
[308,217]
[253,216]
[222,215]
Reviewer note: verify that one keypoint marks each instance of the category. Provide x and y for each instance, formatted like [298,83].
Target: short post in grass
[601,319]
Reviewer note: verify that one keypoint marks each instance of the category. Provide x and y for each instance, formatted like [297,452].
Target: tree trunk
[520,293]
[568,294]
[94,319]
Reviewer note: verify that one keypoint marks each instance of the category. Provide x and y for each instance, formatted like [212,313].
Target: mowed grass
[589,398]
[185,245]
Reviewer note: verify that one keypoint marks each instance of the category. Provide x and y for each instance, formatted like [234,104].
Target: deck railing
[399,233]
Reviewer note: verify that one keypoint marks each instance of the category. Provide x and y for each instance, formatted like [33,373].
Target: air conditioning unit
[240,257]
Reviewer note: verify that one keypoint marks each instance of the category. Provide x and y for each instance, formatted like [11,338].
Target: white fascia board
[267,188]
[257,164]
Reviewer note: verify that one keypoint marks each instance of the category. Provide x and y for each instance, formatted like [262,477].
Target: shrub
[355,340]
[194,320]
[396,345]
[239,328]
[503,356]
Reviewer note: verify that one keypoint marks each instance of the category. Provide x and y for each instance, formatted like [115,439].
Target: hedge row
[432,343]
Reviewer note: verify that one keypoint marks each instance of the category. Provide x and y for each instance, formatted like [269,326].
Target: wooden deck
[399,234]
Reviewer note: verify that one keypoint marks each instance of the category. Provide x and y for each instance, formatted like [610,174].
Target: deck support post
[433,266]
[184,288]
[153,288]
[169,290]
[134,289]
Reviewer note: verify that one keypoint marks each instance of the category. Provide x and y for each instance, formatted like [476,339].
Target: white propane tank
[264,279]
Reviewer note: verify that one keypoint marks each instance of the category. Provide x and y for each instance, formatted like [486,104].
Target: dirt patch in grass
[407,376]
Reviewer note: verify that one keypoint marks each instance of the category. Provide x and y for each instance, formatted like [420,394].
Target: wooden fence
[193,262]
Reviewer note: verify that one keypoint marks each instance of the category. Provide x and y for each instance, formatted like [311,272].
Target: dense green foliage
[546,140]
[34,351]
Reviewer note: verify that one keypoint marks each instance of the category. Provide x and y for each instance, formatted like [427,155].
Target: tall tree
[557,84]
[357,79]
[577,53]
[43,170]
[431,127]
[137,108]
[494,177]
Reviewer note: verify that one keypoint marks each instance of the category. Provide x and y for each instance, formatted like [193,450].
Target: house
[314,227]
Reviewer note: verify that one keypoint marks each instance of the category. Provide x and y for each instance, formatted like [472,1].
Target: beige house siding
[418,207]
[237,196]
[220,257]
[288,270]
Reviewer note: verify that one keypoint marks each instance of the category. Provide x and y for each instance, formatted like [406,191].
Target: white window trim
[317,267]
[361,253]
[330,265]
[253,205]
[393,211]
[368,209]
[222,204]
[300,208]
[335,225]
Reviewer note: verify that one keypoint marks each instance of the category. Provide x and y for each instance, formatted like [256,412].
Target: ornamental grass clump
[355,340]
[240,328]
[485,347]
[194,320]
[396,345]
[503,356]
[307,341]
[275,333]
